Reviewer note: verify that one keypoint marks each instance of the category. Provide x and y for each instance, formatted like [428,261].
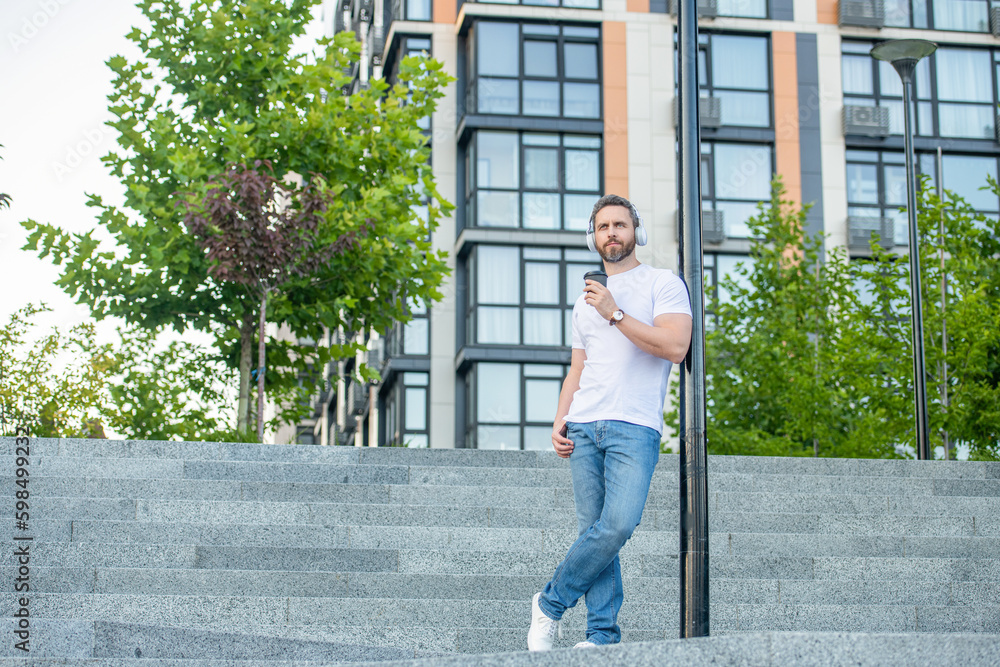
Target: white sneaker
[587,644]
[543,629]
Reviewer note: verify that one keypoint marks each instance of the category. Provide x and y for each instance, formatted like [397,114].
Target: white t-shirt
[619,381]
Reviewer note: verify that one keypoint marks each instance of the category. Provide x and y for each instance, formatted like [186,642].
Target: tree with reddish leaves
[220,83]
[263,234]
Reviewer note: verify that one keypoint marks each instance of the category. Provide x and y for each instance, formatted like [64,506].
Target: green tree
[813,358]
[961,331]
[65,384]
[219,84]
[777,384]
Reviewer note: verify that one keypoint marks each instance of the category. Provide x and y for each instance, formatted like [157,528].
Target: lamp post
[694,621]
[903,55]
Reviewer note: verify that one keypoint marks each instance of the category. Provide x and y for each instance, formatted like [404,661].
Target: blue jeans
[612,464]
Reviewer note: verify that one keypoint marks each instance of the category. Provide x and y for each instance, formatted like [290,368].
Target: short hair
[614,200]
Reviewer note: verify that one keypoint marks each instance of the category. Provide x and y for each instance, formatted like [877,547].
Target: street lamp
[903,55]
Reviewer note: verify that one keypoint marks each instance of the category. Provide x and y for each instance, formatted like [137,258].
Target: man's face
[614,233]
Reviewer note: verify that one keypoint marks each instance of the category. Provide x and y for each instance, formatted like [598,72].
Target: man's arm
[668,338]
[562,444]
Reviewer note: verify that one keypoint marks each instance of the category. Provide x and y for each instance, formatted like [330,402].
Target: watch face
[618,315]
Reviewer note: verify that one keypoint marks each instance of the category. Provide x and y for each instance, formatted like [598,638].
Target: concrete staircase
[157,553]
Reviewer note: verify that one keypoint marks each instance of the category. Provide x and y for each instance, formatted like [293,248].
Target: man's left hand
[599,296]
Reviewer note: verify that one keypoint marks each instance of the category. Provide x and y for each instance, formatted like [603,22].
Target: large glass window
[406,410]
[876,185]
[511,406]
[876,191]
[736,70]
[413,337]
[717,268]
[964,15]
[532,180]
[534,69]
[579,4]
[964,175]
[735,177]
[955,90]
[524,295]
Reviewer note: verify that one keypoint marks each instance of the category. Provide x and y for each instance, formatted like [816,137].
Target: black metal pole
[694,620]
[905,67]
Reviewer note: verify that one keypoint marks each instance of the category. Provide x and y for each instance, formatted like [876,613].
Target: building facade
[560,101]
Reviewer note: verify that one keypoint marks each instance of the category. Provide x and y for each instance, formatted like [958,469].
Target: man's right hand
[562,444]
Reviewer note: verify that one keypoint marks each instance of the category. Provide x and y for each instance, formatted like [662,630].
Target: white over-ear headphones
[640,231]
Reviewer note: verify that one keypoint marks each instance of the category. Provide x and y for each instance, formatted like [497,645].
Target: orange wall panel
[826,11]
[615,109]
[445,11]
[638,6]
[786,113]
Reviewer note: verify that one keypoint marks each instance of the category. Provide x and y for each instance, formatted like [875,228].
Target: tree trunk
[246,359]
[260,368]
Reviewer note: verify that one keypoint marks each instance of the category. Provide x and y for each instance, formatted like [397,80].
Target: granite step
[256,583]
[256,614]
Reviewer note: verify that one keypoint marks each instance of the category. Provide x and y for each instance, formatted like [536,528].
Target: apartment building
[559,101]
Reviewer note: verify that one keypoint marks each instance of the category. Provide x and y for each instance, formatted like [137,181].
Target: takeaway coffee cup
[598,276]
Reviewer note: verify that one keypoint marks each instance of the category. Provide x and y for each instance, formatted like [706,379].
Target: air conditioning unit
[707,9]
[863,13]
[996,128]
[713,226]
[709,112]
[861,228]
[995,21]
[866,120]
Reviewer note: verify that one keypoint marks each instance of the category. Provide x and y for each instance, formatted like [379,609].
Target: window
[524,296]
[745,8]
[411,46]
[534,70]
[532,180]
[579,4]
[717,267]
[965,15]
[964,175]
[410,10]
[876,189]
[735,69]
[511,406]
[876,184]
[406,407]
[411,338]
[735,177]
[954,90]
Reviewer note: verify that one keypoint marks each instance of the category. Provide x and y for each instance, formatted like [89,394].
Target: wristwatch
[616,317]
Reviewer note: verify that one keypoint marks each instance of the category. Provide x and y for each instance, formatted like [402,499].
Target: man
[610,417]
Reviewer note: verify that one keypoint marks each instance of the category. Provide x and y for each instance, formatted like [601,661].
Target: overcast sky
[53,105]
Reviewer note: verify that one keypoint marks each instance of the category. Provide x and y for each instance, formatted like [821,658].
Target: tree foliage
[220,85]
[961,331]
[66,384]
[812,355]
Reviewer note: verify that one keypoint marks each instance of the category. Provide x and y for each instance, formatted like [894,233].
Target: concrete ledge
[764,649]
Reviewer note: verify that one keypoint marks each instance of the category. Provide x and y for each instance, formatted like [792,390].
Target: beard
[617,254]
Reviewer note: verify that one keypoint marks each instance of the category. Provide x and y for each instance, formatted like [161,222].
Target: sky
[54,85]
